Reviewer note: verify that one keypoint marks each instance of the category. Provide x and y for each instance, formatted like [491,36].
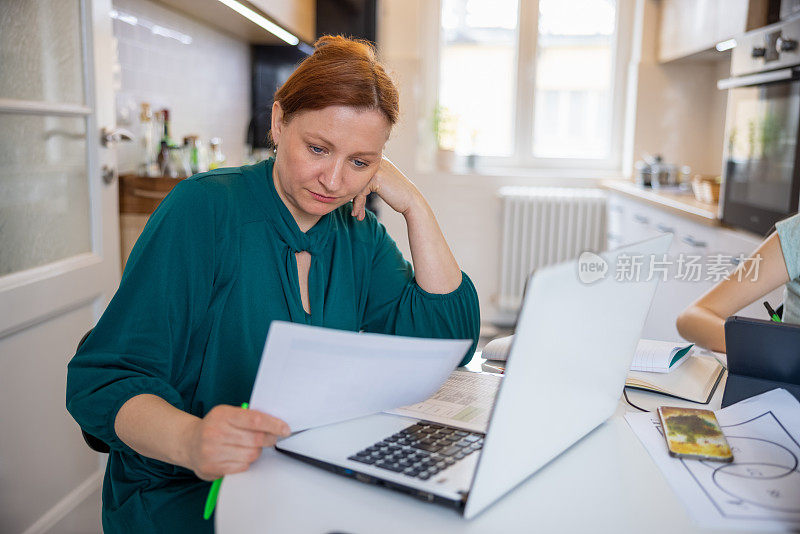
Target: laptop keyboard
[421,450]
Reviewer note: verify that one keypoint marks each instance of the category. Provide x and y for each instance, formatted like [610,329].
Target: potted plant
[444,131]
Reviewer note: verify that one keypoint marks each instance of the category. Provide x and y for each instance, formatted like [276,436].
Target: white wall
[205,84]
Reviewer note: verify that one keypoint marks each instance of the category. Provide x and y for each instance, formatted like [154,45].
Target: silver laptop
[574,343]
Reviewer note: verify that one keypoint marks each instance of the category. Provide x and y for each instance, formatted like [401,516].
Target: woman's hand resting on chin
[392,186]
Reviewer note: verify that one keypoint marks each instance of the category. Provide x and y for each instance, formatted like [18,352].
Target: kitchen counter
[678,202]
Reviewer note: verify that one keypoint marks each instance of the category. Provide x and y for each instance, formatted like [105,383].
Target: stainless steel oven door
[761,169]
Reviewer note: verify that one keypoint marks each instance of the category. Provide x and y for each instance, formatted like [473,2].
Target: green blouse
[213,267]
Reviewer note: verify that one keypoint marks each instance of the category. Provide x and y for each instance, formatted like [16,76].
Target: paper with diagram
[465,401]
[761,488]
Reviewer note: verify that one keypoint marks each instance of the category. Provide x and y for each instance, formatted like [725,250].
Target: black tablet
[762,355]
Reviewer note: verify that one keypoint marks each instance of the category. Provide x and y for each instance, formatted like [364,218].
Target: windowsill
[529,173]
[428,164]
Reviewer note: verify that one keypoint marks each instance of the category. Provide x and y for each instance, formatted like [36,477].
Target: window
[477,75]
[532,83]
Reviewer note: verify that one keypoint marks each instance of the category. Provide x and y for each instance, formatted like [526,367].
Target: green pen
[773,315]
[211,500]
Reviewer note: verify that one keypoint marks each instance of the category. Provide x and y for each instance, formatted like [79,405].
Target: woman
[778,262]
[229,251]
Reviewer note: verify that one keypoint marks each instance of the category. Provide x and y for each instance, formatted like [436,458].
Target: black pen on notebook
[772,314]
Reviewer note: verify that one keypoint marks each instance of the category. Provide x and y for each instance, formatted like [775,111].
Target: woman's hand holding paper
[228,439]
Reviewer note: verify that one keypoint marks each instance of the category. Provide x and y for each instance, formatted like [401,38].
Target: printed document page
[760,489]
[311,376]
[464,401]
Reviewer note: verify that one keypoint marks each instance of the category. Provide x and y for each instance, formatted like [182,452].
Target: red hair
[340,72]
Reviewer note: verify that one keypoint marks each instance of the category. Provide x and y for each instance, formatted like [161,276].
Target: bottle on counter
[162,152]
[216,158]
[198,156]
[170,159]
[163,159]
[150,150]
[179,162]
[165,135]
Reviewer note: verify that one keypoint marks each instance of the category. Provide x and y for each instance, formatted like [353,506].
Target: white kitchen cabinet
[693,243]
[628,221]
[688,27]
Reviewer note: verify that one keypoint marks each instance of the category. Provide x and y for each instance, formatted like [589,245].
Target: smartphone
[693,433]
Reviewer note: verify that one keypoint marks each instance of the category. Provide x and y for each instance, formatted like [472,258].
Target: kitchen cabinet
[689,27]
[708,246]
[295,16]
[139,196]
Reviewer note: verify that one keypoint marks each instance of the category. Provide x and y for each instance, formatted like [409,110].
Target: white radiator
[542,226]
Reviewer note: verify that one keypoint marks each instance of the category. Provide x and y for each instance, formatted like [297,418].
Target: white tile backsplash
[205,84]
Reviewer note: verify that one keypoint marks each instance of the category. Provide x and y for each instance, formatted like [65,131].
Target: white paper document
[760,489]
[464,401]
[311,376]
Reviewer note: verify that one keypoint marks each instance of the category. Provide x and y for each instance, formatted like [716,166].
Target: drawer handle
[641,219]
[144,193]
[616,207]
[665,229]
[691,241]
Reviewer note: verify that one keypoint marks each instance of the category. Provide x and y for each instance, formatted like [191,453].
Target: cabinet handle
[665,229]
[641,219]
[691,241]
[613,237]
[616,207]
[144,193]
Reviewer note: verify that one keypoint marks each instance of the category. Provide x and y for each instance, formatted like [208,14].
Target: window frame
[523,108]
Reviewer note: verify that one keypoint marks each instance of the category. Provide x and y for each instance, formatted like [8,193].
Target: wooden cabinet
[689,27]
[296,16]
[632,220]
[138,198]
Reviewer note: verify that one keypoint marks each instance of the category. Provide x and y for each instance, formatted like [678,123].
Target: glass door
[59,250]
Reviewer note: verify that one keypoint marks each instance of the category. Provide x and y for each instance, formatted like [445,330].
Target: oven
[761,162]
